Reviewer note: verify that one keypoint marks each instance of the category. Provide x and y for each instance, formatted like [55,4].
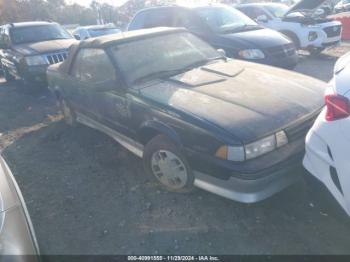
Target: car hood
[247,100]
[261,38]
[305,5]
[44,47]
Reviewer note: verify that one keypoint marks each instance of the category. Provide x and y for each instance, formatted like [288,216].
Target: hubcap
[169,169]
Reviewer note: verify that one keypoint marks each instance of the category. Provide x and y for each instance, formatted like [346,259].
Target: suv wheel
[164,161]
[314,51]
[68,113]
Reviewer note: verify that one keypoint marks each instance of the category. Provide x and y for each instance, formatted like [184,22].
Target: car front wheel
[315,51]
[164,161]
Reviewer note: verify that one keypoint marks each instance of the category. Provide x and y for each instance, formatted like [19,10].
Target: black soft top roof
[109,40]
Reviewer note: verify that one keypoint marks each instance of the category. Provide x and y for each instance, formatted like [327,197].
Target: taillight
[338,107]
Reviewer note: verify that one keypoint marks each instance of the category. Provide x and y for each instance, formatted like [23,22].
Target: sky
[87,2]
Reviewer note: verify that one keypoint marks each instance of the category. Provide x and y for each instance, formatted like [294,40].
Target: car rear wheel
[165,163]
[68,113]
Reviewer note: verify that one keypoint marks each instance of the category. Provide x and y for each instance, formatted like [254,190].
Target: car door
[89,76]
[98,92]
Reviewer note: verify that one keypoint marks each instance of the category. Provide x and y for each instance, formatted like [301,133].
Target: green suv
[28,48]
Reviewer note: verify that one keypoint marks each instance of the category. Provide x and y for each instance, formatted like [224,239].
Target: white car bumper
[328,35]
[329,161]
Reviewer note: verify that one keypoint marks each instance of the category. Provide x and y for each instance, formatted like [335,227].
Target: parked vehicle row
[27,49]
[224,28]
[196,117]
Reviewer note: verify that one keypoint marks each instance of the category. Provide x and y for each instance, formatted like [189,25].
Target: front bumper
[285,62]
[254,180]
[250,191]
[34,73]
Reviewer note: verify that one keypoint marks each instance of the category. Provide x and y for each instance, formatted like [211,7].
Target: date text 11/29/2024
[173,258]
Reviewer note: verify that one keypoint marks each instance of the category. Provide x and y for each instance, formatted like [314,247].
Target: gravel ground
[88,195]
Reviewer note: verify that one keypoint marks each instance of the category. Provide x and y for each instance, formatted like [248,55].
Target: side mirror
[76,36]
[221,52]
[262,19]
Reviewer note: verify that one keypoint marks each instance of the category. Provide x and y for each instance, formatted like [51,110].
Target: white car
[328,142]
[300,23]
[85,32]
[342,6]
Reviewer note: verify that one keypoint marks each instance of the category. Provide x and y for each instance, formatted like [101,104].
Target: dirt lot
[88,195]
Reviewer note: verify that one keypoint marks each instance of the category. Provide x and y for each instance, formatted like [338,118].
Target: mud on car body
[28,48]
[196,118]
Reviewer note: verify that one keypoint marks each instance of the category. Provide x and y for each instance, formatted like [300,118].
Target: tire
[69,115]
[161,157]
[315,51]
[8,77]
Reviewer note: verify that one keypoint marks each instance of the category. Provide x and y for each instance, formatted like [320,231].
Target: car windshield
[277,10]
[164,55]
[30,34]
[95,32]
[224,19]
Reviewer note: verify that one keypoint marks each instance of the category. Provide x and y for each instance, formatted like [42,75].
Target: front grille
[333,31]
[281,51]
[55,58]
[300,130]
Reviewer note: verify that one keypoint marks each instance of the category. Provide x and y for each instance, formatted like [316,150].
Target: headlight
[313,36]
[35,60]
[260,147]
[253,150]
[251,54]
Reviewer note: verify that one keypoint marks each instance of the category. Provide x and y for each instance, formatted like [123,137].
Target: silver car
[17,236]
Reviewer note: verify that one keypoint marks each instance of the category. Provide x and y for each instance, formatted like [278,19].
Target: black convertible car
[196,118]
